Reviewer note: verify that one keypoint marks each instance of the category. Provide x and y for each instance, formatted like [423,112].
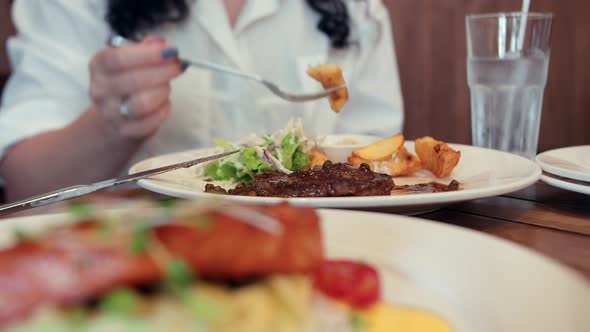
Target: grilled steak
[329,180]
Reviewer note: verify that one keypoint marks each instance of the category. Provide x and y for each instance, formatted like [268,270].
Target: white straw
[526,4]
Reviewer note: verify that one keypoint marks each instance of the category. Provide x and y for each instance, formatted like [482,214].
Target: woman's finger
[117,59]
[138,105]
[147,126]
[136,80]
[147,101]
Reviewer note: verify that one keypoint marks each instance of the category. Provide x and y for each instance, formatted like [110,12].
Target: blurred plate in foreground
[475,281]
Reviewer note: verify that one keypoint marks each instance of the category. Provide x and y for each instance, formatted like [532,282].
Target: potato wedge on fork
[330,75]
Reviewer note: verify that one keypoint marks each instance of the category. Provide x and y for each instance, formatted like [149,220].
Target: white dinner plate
[482,172]
[572,162]
[563,183]
[475,281]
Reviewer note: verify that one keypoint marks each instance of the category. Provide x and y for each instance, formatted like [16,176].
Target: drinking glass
[507,64]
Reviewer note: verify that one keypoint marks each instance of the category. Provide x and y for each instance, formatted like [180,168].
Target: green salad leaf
[250,161]
[249,158]
[178,276]
[300,159]
[241,168]
[120,302]
[289,146]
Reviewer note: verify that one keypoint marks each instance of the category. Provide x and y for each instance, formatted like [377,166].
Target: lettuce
[300,159]
[252,162]
[289,146]
[249,162]
[218,171]
[243,169]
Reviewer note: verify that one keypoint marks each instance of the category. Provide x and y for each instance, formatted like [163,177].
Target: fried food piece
[403,163]
[381,150]
[407,161]
[330,75]
[437,156]
[71,264]
[317,158]
[230,249]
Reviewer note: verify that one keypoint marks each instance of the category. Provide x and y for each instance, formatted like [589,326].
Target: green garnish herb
[81,210]
[358,323]
[21,236]
[76,316]
[201,221]
[203,308]
[140,239]
[120,302]
[178,276]
[116,322]
[167,203]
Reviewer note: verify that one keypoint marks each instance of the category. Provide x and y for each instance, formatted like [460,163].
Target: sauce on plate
[426,188]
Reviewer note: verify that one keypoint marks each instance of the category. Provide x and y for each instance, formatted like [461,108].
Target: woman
[77,111]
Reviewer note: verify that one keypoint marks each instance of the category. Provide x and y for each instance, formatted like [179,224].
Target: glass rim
[531,15]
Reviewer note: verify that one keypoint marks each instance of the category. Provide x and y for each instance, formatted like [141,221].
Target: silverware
[270,85]
[116,41]
[80,190]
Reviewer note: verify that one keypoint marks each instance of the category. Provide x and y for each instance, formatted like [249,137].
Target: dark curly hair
[130,18]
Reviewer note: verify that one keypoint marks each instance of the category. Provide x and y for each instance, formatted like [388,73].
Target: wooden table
[550,221]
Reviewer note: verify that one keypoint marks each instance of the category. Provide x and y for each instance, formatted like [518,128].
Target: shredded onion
[275,162]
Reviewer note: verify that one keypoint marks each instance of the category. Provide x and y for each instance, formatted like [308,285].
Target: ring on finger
[125,110]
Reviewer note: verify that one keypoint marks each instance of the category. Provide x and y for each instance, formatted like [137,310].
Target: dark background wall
[6,29]
[430,45]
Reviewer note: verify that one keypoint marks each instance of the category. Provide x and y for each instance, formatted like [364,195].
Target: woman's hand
[136,77]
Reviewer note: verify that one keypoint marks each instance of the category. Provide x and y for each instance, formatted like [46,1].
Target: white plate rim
[561,171]
[357,202]
[563,184]
[438,227]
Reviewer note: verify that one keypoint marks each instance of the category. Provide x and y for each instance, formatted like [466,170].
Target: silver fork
[294,97]
[270,85]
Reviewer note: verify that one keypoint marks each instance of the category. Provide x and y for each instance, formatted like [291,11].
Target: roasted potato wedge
[402,164]
[357,161]
[409,162]
[382,150]
[330,75]
[317,158]
[437,156]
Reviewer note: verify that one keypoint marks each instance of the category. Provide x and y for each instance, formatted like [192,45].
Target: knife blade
[81,190]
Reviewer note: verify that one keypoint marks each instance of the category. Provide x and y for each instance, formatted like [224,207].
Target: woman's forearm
[85,151]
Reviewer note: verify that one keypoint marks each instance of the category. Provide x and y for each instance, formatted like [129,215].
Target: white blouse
[276,39]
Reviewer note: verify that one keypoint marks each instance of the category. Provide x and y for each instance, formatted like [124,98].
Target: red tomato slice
[352,282]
